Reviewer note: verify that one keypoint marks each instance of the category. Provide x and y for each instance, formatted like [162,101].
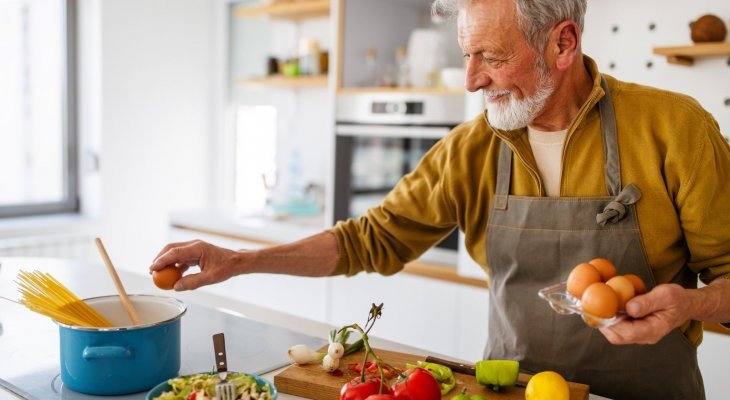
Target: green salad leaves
[204,385]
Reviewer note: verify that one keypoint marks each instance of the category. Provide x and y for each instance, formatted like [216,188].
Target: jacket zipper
[581,115]
[535,173]
[529,167]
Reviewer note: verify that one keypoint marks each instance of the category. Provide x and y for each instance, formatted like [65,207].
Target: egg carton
[564,303]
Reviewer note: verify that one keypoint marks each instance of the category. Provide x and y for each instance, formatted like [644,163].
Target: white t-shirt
[548,150]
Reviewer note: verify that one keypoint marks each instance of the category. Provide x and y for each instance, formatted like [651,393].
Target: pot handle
[102,352]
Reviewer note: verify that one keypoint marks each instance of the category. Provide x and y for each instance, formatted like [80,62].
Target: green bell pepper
[497,374]
[442,373]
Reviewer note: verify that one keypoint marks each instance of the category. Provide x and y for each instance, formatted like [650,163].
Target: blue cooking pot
[124,359]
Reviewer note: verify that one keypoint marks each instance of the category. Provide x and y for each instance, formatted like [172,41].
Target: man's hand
[668,306]
[654,315]
[316,255]
[216,264]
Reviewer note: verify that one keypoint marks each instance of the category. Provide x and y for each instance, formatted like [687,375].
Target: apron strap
[610,141]
[504,174]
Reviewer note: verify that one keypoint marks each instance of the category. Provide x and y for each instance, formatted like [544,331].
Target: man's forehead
[486,20]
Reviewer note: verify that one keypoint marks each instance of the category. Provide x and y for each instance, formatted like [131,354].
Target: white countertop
[258,228]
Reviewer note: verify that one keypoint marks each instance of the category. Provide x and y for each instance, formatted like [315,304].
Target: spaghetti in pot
[43,294]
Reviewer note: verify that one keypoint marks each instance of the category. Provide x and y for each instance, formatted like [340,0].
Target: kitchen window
[38,150]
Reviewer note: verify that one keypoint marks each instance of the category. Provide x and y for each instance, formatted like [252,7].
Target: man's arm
[668,306]
[316,255]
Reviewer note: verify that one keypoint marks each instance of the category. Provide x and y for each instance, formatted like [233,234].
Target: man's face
[515,79]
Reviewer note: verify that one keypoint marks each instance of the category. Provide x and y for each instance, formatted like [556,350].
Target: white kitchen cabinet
[472,313]
[303,297]
[419,312]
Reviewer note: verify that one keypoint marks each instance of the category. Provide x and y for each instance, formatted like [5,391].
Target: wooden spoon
[117,282]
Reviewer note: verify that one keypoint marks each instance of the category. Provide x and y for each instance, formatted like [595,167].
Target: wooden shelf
[685,55]
[285,82]
[359,90]
[294,10]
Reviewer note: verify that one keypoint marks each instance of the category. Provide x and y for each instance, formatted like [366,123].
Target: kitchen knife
[466,369]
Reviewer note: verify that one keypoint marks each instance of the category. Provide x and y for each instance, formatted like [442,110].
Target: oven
[379,137]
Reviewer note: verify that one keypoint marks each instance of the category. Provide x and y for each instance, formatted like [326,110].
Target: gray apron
[533,242]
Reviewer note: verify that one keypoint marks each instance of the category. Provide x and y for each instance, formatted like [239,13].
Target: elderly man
[566,165]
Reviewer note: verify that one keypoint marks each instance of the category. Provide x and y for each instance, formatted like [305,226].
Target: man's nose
[476,77]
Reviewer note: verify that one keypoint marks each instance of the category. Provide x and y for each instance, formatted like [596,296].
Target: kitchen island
[257,338]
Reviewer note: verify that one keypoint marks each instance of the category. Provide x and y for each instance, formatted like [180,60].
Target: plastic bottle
[403,72]
[309,57]
[371,68]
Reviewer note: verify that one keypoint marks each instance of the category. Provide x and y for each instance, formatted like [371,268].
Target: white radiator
[76,246]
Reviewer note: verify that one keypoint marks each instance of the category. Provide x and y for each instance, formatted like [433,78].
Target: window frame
[71,202]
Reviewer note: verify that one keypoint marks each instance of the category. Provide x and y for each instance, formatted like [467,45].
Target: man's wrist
[707,302]
[242,261]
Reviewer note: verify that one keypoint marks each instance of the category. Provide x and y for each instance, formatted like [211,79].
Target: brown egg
[600,300]
[624,289]
[166,277]
[605,267]
[582,276]
[639,286]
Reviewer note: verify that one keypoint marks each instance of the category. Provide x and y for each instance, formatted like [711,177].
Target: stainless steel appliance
[380,137]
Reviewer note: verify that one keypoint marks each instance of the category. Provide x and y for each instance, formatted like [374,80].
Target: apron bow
[616,209]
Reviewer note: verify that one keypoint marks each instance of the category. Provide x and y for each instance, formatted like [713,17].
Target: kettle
[426,57]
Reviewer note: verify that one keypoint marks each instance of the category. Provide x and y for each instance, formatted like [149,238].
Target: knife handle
[219,345]
[467,369]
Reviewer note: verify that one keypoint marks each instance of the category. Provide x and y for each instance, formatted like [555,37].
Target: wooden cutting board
[312,382]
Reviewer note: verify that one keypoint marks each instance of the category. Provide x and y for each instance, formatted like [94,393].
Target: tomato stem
[373,315]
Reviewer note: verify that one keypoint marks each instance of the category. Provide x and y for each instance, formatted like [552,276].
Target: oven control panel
[393,107]
[401,109]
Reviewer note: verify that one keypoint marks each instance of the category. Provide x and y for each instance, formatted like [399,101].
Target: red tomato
[371,369]
[418,384]
[354,368]
[381,397]
[358,390]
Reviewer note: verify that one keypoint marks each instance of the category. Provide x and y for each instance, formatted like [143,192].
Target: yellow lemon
[547,385]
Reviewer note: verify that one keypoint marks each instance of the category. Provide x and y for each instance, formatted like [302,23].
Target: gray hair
[535,17]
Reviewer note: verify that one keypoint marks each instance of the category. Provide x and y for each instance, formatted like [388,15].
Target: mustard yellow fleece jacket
[669,146]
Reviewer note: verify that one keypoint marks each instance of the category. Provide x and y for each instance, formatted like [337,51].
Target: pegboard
[621,34]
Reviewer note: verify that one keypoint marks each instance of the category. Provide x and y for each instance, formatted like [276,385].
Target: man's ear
[564,44]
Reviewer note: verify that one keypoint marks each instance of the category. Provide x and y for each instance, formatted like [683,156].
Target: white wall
[630,48]
[154,99]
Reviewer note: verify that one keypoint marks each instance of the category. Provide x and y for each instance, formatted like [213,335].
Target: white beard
[511,114]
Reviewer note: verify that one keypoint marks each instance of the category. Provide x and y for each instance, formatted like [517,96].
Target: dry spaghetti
[43,294]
